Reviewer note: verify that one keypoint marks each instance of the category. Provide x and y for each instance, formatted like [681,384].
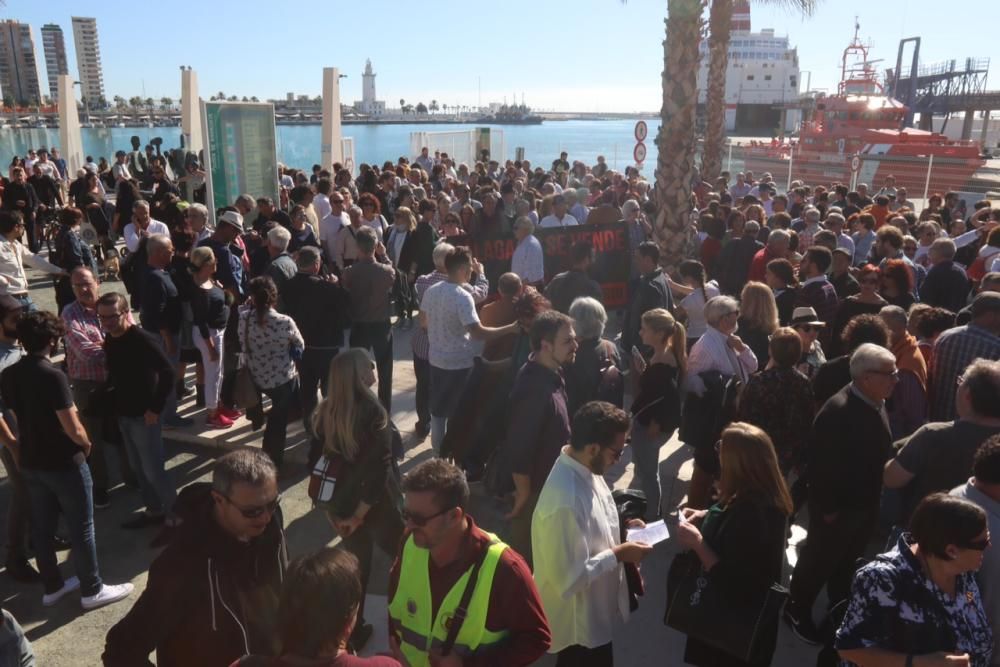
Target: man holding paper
[576,541]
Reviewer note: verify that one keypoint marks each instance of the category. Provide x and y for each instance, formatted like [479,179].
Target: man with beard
[539,420]
[576,535]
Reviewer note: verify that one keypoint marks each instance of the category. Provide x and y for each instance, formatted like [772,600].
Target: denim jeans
[69,490]
[94,425]
[144,446]
[646,457]
[276,430]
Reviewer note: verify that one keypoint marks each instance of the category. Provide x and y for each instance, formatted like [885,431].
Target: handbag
[698,607]
[322,480]
[245,392]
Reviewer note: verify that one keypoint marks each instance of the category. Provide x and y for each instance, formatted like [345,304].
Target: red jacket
[759,264]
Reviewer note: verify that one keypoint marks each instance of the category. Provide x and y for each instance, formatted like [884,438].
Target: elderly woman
[594,357]
[718,356]
[528,261]
[779,399]
[908,406]
[919,604]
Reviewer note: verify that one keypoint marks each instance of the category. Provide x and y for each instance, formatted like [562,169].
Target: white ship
[761,79]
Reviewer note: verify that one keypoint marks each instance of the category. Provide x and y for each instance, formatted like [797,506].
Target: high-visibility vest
[410,607]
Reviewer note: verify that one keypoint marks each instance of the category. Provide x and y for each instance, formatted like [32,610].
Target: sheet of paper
[653,533]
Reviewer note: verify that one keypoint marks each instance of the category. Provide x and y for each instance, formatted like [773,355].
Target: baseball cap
[233,218]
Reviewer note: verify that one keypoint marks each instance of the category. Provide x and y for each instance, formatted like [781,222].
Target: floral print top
[894,606]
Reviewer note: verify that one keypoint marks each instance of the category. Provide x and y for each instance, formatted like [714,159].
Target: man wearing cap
[956,348]
[559,216]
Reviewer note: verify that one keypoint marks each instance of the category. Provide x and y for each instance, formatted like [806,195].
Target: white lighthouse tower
[368,104]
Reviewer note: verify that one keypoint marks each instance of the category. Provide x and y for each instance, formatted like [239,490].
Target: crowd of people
[827,356]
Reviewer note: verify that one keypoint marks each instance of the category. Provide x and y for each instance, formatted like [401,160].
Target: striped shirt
[85,358]
[954,350]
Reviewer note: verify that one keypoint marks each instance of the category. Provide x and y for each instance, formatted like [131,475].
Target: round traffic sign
[640,152]
[641,131]
[855,163]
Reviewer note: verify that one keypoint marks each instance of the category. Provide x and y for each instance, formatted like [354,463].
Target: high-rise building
[54,47]
[88,57]
[18,67]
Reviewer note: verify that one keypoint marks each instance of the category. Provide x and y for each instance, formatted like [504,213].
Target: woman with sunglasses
[357,441]
[866,302]
[740,540]
[919,604]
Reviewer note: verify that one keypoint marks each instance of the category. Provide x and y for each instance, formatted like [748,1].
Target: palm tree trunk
[720,20]
[675,140]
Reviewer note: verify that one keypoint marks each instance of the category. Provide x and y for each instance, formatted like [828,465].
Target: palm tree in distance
[720,19]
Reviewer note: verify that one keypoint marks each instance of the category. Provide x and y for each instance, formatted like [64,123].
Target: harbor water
[299,145]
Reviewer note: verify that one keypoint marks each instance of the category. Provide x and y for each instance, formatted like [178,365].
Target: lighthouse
[368,104]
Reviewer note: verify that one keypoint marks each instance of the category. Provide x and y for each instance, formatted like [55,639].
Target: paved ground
[64,635]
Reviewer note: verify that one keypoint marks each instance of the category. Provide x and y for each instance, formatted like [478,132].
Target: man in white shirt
[740,188]
[119,170]
[559,216]
[448,313]
[321,201]
[528,260]
[576,541]
[142,226]
[336,219]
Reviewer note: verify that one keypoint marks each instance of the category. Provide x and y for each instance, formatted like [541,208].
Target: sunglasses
[258,511]
[807,328]
[421,521]
[978,545]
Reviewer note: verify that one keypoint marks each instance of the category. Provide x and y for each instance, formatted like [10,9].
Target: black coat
[734,264]
[651,291]
[749,539]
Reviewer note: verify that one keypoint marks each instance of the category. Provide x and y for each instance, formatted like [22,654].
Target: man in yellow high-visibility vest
[504,621]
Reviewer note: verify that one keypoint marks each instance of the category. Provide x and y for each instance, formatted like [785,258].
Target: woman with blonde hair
[401,248]
[758,318]
[356,435]
[210,308]
[740,541]
[656,410]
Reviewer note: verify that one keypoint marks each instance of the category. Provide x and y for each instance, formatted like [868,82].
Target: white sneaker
[106,595]
[70,585]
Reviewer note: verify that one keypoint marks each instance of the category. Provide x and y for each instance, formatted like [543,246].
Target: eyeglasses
[807,328]
[732,312]
[109,318]
[618,453]
[336,201]
[890,374]
[977,545]
[421,521]
[259,510]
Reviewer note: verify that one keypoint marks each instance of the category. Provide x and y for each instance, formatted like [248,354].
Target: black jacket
[210,599]
[850,444]
[946,286]
[318,307]
[652,291]
[734,263]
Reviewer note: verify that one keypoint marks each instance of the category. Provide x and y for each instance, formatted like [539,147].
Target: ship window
[792,81]
[767,77]
[749,77]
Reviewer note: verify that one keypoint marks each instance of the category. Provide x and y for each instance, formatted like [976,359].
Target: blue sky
[585,55]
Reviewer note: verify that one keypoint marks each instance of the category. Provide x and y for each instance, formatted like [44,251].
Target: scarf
[909,358]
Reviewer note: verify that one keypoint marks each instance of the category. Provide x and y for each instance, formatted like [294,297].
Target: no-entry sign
[641,131]
[640,152]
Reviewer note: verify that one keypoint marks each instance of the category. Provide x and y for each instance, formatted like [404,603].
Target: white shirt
[132,236]
[329,227]
[573,530]
[694,305]
[322,205]
[528,260]
[712,353]
[13,256]
[553,221]
[450,311]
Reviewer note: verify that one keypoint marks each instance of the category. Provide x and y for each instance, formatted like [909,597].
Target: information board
[241,153]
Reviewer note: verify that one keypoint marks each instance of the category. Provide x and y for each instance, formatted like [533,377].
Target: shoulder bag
[245,391]
[463,606]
